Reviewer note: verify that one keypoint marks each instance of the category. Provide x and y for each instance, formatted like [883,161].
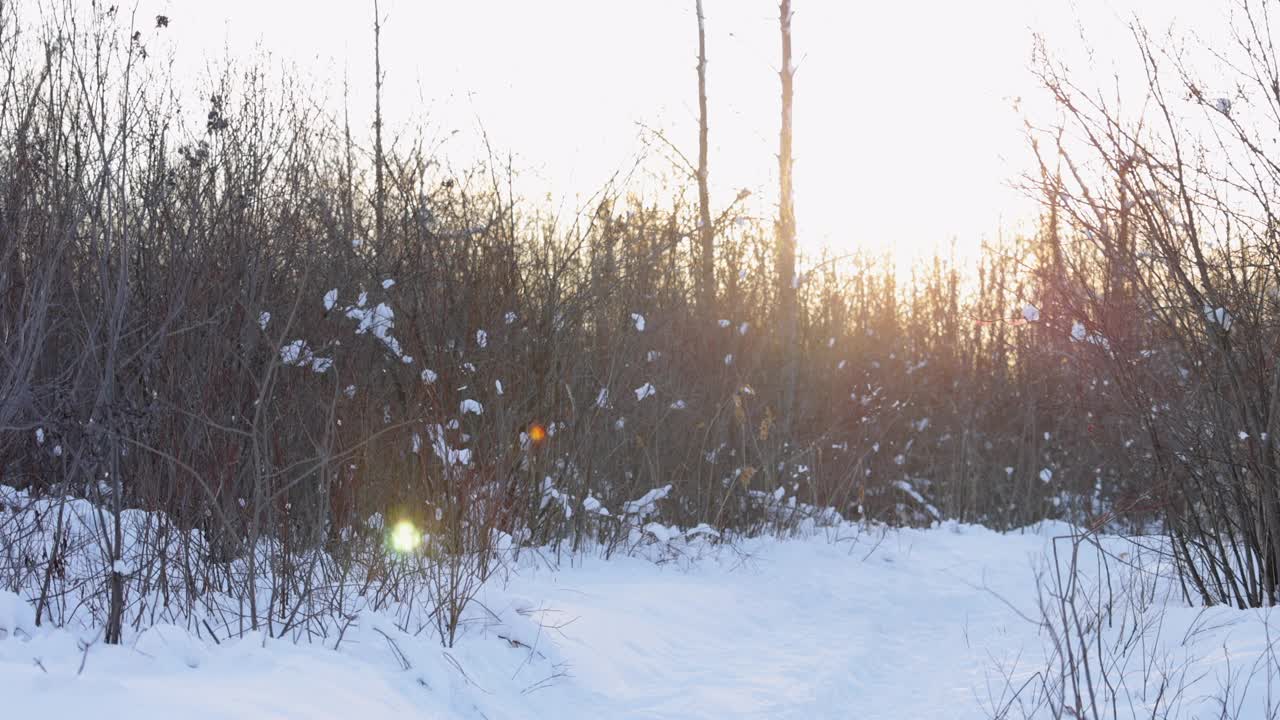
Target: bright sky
[905,132]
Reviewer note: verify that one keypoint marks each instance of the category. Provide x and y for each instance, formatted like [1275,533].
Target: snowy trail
[919,628]
[805,630]
[795,629]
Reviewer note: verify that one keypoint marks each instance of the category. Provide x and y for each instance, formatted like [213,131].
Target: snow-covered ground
[902,624]
[799,629]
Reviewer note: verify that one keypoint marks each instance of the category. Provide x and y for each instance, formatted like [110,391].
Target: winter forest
[299,419]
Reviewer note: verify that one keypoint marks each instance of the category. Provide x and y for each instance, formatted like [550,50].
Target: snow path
[795,629]
[805,629]
[917,627]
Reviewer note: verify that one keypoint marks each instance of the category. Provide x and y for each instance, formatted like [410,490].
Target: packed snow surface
[883,624]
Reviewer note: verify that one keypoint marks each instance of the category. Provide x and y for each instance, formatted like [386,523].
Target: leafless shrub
[1113,648]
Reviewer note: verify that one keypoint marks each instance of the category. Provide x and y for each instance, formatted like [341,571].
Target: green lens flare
[405,538]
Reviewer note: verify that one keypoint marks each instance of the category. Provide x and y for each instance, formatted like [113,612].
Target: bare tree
[706,231]
[788,307]
[1170,294]
[379,195]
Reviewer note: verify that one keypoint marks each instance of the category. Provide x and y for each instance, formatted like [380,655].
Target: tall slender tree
[706,232]
[788,307]
[378,203]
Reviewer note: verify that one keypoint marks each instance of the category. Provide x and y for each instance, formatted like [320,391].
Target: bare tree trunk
[787,305]
[706,233]
[111,370]
[349,169]
[378,203]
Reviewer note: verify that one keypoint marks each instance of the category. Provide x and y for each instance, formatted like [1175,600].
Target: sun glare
[405,538]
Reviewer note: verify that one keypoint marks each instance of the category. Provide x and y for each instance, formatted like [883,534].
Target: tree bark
[788,307]
[706,233]
[378,203]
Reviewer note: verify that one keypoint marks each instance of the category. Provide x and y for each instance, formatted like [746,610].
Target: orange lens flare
[537,433]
